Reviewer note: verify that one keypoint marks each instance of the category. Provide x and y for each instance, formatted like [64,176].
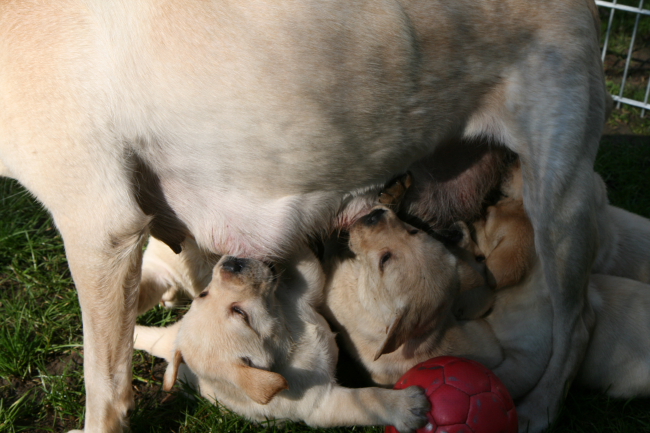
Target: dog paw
[533,418]
[394,190]
[412,411]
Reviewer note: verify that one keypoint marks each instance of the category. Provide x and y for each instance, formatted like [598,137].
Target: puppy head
[506,239]
[406,277]
[233,331]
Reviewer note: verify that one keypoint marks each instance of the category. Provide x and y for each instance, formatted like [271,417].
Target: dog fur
[126,117]
[514,338]
[618,356]
[393,302]
[255,343]
[623,236]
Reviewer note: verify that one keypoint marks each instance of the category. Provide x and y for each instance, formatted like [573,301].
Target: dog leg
[557,160]
[156,341]
[172,278]
[405,409]
[103,232]
[107,277]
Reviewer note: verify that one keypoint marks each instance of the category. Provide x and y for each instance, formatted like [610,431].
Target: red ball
[465,396]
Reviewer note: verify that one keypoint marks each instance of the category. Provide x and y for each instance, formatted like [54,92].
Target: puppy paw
[394,190]
[411,412]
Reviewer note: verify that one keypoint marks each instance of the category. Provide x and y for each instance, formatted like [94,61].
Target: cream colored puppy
[393,302]
[618,355]
[624,237]
[514,339]
[254,342]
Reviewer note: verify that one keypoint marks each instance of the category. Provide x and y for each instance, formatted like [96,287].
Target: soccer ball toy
[465,396]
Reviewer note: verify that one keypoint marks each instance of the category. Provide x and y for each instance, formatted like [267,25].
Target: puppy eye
[247,361]
[414,231]
[203,294]
[480,258]
[384,258]
[236,309]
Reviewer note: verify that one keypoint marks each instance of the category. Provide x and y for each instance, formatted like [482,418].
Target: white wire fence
[626,51]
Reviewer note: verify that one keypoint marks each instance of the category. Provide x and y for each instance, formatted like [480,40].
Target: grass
[41,378]
[627,117]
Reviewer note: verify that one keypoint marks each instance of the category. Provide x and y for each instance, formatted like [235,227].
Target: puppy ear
[171,373]
[396,335]
[514,256]
[260,385]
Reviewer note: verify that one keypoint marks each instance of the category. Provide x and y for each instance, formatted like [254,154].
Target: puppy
[618,355]
[393,302]
[254,342]
[623,237]
[514,338]
[246,125]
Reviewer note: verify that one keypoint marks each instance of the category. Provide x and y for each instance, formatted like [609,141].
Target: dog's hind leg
[558,129]
[552,113]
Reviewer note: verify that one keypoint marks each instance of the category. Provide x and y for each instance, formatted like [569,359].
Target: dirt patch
[62,364]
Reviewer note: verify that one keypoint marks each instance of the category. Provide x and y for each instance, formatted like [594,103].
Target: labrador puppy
[623,237]
[617,360]
[514,338]
[246,125]
[393,302]
[254,342]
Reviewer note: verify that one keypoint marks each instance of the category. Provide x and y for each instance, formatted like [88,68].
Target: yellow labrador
[254,342]
[623,237]
[393,302]
[397,285]
[245,125]
[618,355]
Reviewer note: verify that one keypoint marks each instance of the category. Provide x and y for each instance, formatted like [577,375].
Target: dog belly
[455,182]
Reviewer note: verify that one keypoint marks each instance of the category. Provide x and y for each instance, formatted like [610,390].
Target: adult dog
[245,124]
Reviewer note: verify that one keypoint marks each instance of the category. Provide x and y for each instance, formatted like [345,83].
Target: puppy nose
[234,265]
[373,217]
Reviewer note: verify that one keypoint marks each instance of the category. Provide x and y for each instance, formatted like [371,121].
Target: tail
[157,341]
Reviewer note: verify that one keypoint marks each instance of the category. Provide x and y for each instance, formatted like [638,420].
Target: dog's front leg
[106,271]
[405,409]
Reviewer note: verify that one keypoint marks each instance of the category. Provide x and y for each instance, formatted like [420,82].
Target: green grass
[639,67]
[41,383]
